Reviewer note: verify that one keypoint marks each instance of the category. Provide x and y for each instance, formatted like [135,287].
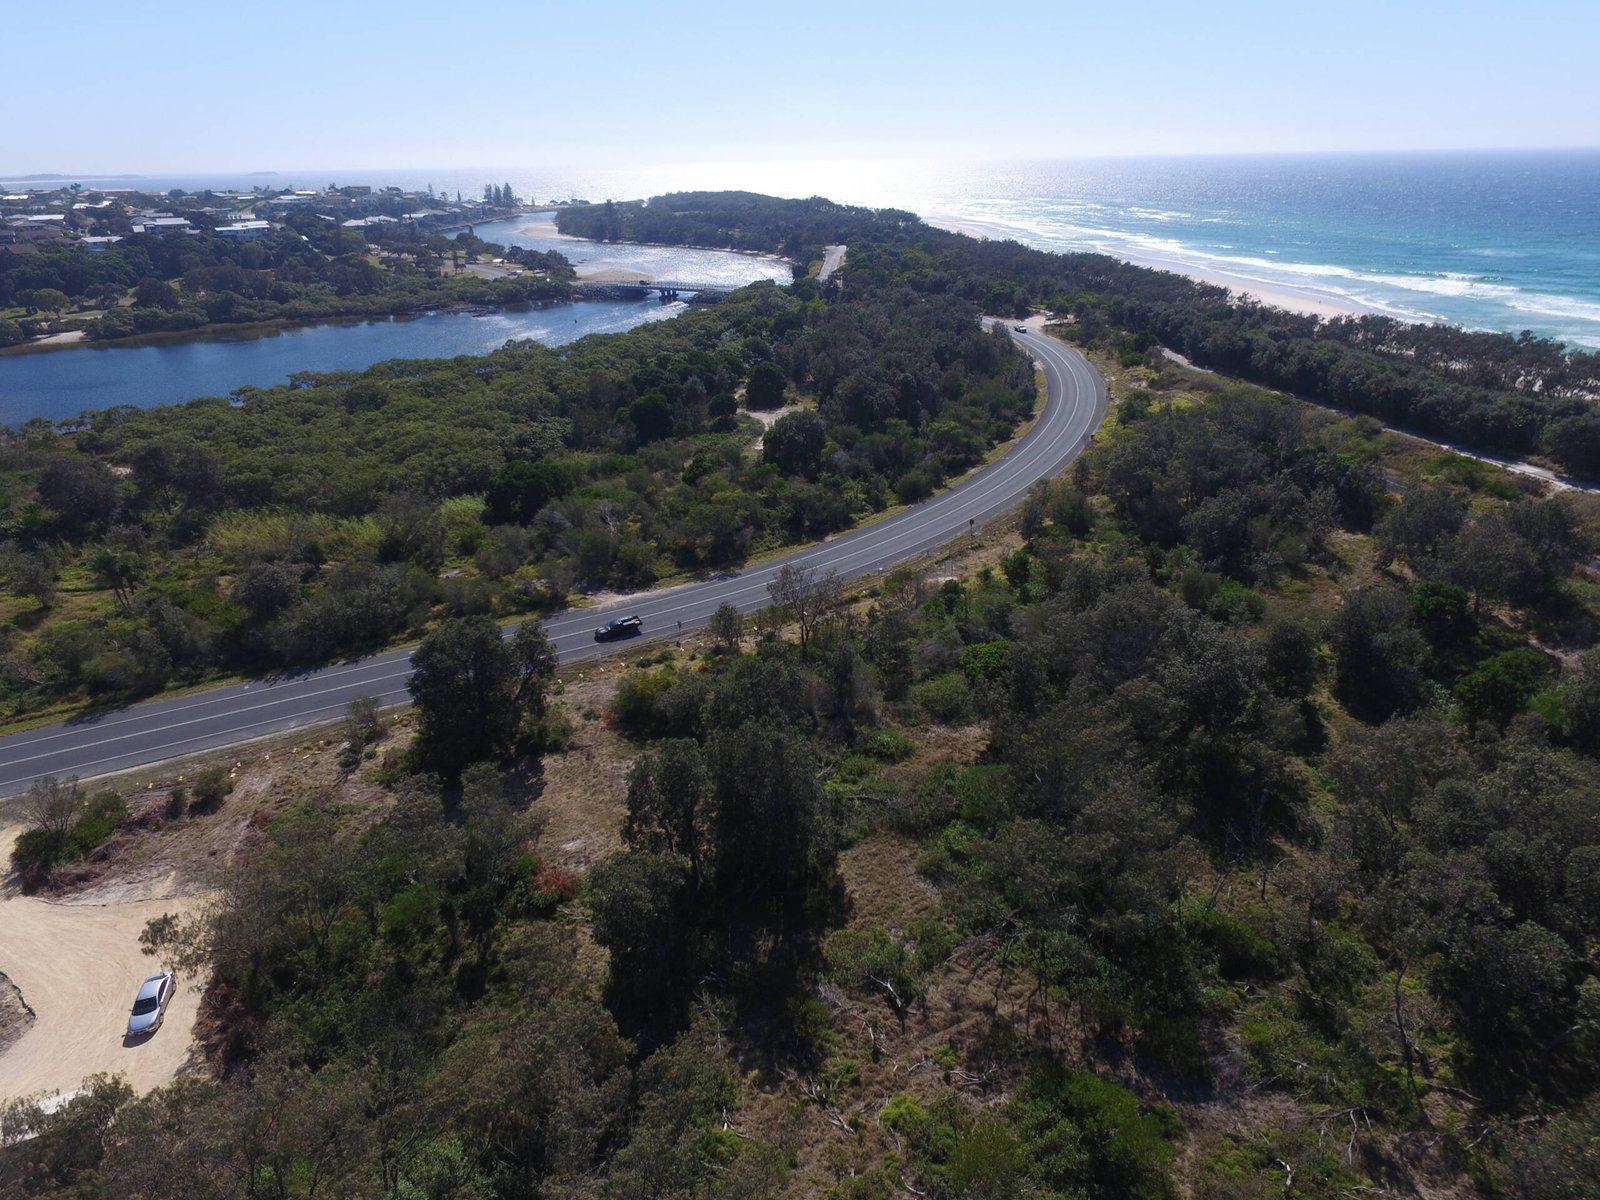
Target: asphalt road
[158,730]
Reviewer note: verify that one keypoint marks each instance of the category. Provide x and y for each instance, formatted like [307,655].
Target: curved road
[157,730]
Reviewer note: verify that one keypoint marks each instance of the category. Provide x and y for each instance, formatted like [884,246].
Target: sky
[190,87]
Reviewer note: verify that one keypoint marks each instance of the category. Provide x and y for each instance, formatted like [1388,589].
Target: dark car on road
[622,627]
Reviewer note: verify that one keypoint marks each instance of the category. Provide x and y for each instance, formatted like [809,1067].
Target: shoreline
[1290,299]
[244,331]
[76,339]
[547,229]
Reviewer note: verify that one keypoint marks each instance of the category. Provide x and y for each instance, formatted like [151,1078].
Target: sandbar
[543,225]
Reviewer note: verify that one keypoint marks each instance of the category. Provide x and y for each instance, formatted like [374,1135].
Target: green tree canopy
[473,688]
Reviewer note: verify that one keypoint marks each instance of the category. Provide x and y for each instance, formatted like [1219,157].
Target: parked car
[622,627]
[150,1005]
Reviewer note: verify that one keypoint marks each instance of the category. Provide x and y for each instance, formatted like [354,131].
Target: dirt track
[77,964]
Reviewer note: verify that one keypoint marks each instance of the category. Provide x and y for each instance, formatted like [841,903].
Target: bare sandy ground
[543,225]
[77,964]
[611,275]
[69,338]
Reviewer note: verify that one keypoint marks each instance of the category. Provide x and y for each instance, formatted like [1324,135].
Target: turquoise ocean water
[1491,240]
[1500,241]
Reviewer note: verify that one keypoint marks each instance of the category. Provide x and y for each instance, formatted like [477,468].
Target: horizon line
[47,176]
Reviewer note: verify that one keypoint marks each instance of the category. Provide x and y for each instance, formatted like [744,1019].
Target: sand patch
[611,275]
[543,225]
[77,966]
[585,796]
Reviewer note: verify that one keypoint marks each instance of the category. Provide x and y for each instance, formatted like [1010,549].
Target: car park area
[78,966]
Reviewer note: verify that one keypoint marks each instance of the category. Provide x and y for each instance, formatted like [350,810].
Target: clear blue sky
[116,87]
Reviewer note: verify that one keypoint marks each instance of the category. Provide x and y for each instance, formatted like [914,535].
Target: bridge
[667,289]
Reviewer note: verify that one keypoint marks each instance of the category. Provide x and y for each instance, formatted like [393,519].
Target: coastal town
[80,263]
[95,219]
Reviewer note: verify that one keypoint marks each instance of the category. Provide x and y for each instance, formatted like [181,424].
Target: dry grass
[586,786]
[881,881]
[154,854]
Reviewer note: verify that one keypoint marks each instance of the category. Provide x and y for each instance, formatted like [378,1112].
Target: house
[38,233]
[98,245]
[244,231]
[164,225]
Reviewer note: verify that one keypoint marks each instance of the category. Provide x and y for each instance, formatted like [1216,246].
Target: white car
[150,1005]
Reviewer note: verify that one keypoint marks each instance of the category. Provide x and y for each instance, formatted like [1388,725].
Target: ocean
[1506,241]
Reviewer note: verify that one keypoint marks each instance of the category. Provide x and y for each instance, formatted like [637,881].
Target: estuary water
[1496,240]
[537,232]
[61,384]
[1505,241]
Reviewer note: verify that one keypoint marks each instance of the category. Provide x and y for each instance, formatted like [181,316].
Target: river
[621,260]
[61,384]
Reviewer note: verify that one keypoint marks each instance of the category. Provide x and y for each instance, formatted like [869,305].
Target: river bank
[170,367]
[245,330]
[65,382]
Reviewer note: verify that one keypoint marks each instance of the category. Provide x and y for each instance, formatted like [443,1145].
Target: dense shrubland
[1274,867]
[1274,812]
[342,511]
[1493,392]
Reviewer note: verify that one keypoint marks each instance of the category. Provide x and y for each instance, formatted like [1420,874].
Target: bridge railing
[653,285]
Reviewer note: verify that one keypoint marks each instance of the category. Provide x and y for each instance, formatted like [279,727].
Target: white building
[244,231]
[164,225]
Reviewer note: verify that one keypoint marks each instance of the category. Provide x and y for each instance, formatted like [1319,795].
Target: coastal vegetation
[1226,827]
[1218,832]
[343,511]
[1520,396]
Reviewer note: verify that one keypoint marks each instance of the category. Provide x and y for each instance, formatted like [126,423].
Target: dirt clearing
[77,967]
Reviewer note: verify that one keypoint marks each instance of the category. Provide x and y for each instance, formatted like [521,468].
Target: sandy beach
[1275,297]
[611,275]
[543,225]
